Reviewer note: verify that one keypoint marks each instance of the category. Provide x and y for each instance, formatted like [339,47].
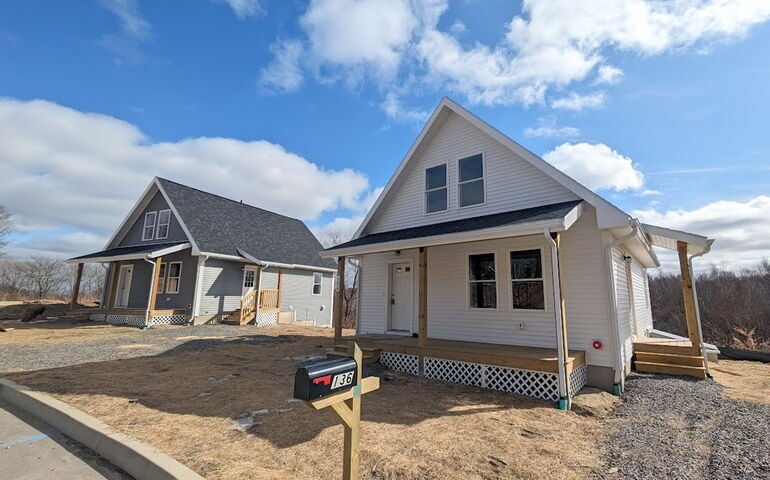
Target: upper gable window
[436,189]
[317,279]
[470,177]
[149,225]
[164,219]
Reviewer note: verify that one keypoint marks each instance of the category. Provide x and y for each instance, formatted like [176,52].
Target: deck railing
[268,299]
[248,305]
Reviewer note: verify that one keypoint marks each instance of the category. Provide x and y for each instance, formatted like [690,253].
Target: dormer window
[436,189]
[149,225]
[164,219]
[470,177]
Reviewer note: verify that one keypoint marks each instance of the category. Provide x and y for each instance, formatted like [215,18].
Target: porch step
[370,356]
[235,318]
[343,347]
[670,359]
[665,349]
[651,367]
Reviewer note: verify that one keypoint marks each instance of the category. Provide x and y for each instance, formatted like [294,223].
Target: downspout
[561,354]
[618,380]
[697,307]
[149,297]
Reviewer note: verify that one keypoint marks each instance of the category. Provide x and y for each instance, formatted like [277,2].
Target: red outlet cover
[597,344]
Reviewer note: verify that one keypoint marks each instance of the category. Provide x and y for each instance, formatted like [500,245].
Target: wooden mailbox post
[347,405]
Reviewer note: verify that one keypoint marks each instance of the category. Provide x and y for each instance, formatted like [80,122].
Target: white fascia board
[132,256]
[143,200]
[289,266]
[169,250]
[533,228]
[195,249]
[667,238]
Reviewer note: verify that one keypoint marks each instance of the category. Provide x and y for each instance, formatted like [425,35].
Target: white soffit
[667,238]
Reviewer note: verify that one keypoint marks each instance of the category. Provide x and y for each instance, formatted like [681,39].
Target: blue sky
[665,115]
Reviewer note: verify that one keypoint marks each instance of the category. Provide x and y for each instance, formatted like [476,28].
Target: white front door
[124,285]
[401,303]
[249,280]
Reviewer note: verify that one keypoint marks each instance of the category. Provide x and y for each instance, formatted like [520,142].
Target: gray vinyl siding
[297,295]
[134,234]
[221,286]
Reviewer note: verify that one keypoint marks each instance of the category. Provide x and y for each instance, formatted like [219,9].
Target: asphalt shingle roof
[514,217]
[115,252]
[220,225]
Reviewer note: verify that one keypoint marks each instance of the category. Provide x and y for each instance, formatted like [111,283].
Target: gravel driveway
[150,342]
[673,427]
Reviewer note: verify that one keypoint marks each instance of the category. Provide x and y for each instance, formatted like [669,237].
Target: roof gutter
[618,380]
[697,308]
[290,266]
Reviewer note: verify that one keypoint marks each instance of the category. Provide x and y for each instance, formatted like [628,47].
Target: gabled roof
[221,226]
[608,215]
[135,252]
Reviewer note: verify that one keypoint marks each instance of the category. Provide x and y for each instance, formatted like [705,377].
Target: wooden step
[669,359]
[651,367]
[664,348]
[235,318]
[343,347]
[368,357]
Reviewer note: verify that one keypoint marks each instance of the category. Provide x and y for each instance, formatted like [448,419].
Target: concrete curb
[138,459]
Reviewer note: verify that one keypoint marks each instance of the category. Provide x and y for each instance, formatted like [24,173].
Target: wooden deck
[511,356]
[670,356]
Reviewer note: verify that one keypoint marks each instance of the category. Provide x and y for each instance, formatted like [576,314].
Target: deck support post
[338,310]
[153,290]
[422,316]
[76,287]
[560,317]
[689,299]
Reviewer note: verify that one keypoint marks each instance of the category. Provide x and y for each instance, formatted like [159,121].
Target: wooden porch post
[278,299]
[154,287]
[689,298]
[113,285]
[338,310]
[422,315]
[76,287]
[563,304]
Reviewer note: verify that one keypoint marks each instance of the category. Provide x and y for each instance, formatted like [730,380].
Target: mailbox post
[338,384]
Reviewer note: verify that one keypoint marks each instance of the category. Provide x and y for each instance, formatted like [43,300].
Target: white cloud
[131,19]
[741,231]
[458,27]
[548,128]
[596,166]
[68,170]
[395,110]
[244,8]
[284,74]
[577,102]
[337,231]
[648,192]
[607,74]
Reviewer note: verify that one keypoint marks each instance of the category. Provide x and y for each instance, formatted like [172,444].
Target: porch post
[278,299]
[76,287]
[422,316]
[154,289]
[689,298]
[560,318]
[338,310]
[113,285]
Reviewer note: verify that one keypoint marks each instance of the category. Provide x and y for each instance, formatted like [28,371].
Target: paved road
[31,450]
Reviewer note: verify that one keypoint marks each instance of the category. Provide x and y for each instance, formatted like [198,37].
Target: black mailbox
[323,378]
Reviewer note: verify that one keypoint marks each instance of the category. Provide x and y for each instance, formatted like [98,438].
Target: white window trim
[320,284]
[158,224]
[542,279]
[483,178]
[162,278]
[145,227]
[426,190]
[468,281]
[169,277]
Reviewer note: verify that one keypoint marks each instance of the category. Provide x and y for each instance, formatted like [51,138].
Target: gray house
[187,256]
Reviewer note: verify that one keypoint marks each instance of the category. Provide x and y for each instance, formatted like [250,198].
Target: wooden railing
[268,299]
[248,306]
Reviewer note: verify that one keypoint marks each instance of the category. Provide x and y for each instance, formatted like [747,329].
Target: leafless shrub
[6,227]
[329,238]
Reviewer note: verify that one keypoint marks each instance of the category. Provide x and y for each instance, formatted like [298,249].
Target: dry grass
[37,333]
[743,380]
[412,428]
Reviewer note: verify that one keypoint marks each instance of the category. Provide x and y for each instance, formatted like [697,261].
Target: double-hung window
[527,292]
[162,277]
[149,225]
[470,178]
[436,192]
[164,219]
[174,277]
[482,281]
[317,279]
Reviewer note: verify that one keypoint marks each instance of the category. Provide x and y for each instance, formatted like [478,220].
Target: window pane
[162,231]
[316,289]
[471,167]
[526,264]
[435,177]
[528,295]
[483,295]
[471,193]
[436,201]
[482,267]
[149,219]
[148,233]
[164,216]
[173,285]
[174,269]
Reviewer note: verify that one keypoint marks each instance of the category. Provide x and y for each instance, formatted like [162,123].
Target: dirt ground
[42,332]
[743,380]
[226,412]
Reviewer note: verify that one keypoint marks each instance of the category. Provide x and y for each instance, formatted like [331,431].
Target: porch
[136,317]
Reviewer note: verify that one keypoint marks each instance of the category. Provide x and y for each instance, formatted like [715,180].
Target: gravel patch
[675,427]
[155,341]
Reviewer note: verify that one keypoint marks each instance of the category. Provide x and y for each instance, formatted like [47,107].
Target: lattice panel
[523,382]
[400,362]
[578,379]
[125,319]
[97,317]
[179,319]
[265,319]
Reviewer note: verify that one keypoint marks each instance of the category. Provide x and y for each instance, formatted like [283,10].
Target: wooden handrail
[248,304]
[268,298]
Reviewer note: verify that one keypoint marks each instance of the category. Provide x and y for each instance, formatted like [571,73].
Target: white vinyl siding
[641,298]
[623,303]
[297,296]
[221,286]
[510,182]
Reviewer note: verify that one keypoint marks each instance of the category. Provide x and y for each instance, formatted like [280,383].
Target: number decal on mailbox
[342,379]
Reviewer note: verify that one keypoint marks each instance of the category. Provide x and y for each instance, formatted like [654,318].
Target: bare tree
[43,276]
[6,227]
[11,279]
[334,236]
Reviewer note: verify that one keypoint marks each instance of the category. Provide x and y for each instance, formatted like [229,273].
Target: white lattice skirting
[265,319]
[578,379]
[400,362]
[169,320]
[118,319]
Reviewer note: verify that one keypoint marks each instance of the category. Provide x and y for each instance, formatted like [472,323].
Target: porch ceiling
[131,253]
[667,238]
